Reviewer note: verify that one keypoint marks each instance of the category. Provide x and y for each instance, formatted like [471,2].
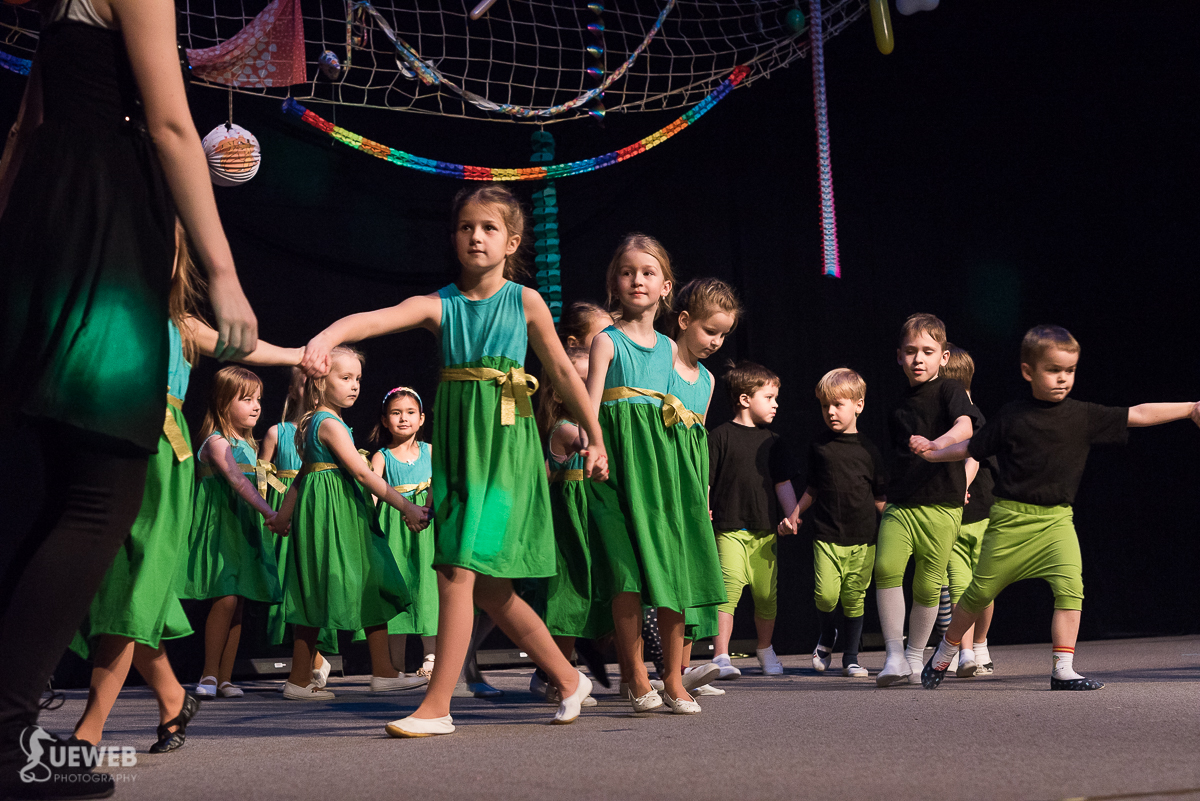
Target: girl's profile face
[403,418]
[341,385]
[481,240]
[703,338]
[640,281]
[244,411]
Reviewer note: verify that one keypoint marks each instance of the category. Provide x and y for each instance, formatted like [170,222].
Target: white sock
[944,654]
[920,625]
[1062,659]
[981,653]
[965,656]
[891,612]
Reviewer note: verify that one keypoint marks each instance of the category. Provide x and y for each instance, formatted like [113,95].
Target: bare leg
[566,645]
[110,668]
[765,630]
[724,633]
[381,658]
[522,625]
[483,626]
[231,644]
[397,643]
[429,645]
[670,628]
[318,660]
[456,617]
[1064,628]
[155,668]
[304,648]
[983,623]
[685,660]
[960,621]
[627,617]
[216,633]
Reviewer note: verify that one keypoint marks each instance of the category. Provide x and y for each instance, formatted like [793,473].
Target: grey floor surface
[802,735]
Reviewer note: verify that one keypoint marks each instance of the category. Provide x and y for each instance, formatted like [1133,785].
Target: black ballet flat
[1075,684]
[170,740]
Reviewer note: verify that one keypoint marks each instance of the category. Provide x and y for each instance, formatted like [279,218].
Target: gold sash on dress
[673,410]
[413,488]
[265,476]
[515,388]
[174,433]
[559,476]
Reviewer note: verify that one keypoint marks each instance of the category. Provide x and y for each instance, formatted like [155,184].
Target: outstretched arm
[951,453]
[1153,414]
[337,439]
[420,311]
[565,380]
[264,354]
[959,432]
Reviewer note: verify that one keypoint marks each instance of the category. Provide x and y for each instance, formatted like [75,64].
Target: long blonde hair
[314,395]
[187,288]
[551,408]
[229,384]
[512,214]
[293,405]
[651,247]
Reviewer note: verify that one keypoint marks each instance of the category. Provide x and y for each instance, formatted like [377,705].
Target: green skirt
[491,502]
[569,601]
[340,574]
[691,447]
[228,551]
[277,626]
[139,595]
[413,553]
[650,517]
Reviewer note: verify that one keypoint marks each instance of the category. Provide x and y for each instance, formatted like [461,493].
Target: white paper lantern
[233,155]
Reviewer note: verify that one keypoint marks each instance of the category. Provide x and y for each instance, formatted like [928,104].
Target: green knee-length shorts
[842,573]
[926,533]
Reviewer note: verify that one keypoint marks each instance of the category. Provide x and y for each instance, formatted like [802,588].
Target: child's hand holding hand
[315,361]
[277,524]
[788,526]
[416,517]
[596,466]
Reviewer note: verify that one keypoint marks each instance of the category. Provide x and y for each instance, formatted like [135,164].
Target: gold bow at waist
[413,488]
[673,410]
[174,433]
[317,467]
[265,476]
[560,476]
[515,388]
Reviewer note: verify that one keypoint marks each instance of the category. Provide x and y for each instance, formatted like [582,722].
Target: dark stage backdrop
[1004,167]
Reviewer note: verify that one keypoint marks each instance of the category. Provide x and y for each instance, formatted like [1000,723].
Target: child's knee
[825,598]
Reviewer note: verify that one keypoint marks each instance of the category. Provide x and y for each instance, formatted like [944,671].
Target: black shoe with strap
[931,678]
[1075,684]
[169,740]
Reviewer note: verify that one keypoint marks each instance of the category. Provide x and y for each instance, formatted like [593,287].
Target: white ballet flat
[420,727]
[568,710]
[229,690]
[320,676]
[647,702]
[204,690]
[295,692]
[680,706]
[627,694]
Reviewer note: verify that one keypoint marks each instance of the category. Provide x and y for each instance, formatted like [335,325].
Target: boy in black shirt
[750,472]
[925,501]
[846,488]
[1042,445]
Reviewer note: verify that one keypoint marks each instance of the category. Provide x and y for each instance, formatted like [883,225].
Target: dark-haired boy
[925,501]
[1042,445]
[751,470]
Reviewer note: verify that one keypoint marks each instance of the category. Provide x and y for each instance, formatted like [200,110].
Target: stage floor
[801,735]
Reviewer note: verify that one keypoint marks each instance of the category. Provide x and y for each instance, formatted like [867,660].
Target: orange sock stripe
[1062,649]
[952,642]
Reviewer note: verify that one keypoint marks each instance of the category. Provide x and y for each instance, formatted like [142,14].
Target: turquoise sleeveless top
[635,366]
[695,396]
[473,329]
[286,456]
[178,370]
[576,461]
[398,473]
[314,449]
[242,452]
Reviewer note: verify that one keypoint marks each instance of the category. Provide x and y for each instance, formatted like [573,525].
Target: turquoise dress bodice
[474,329]
[286,455]
[633,365]
[694,394]
[178,369]
[398,473]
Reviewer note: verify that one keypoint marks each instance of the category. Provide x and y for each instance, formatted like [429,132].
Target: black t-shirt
[846,472]
[745,464]
[1042,446]
[928,410]
[982,492]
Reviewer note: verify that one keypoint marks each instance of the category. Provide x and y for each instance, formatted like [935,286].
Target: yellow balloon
[882,20]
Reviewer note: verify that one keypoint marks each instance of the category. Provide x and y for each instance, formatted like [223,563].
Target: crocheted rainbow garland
[469,173]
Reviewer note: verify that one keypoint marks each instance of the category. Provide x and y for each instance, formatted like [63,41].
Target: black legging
[67,502]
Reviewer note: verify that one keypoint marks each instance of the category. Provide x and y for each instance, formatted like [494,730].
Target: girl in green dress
[137,605]
[340,573]
[706,310]
[641,514]
[279,451]
[405,464]
[491,501]
[230,559]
